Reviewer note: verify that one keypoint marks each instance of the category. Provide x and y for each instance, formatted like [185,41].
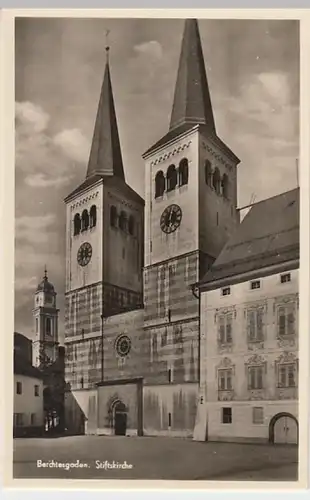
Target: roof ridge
[283,250]
[267,199]
[257,238]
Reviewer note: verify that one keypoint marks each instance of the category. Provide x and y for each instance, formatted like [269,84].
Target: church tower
[190,212]
[45,314]
[104,247]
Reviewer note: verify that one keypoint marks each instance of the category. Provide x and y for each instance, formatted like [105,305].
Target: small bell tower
[45,316]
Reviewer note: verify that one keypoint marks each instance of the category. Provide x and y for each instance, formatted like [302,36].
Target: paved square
[153,458]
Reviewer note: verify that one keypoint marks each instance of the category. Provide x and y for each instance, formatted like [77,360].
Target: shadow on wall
[75,417]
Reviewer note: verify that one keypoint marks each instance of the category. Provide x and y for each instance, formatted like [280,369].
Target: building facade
[249,330]
[28,416]
[133,321]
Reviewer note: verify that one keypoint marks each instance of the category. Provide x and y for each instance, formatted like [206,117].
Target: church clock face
[171,219]
[84,254]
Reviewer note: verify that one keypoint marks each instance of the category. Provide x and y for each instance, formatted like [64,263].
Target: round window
[123,345]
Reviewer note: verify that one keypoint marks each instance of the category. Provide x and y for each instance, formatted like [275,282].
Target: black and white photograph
[157,249]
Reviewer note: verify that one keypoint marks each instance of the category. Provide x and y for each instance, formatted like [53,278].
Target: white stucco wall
[26,402]
[272,350]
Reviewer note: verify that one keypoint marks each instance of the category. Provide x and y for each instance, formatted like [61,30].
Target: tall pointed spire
[105,155]
[192,102]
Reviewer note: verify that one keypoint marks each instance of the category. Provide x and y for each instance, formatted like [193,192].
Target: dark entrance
[120,419]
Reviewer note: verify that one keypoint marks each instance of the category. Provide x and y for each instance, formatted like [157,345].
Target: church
[133,313]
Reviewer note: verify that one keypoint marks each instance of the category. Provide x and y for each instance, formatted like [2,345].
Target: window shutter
[229,384]
[250,369]
[259,324]
[222,329]
[259,377]
[281,321]
[291,376]
[251,325]
[291,323]
[229,329]
[282,377]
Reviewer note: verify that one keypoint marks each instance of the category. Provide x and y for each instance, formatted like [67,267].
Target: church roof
[267,236]
[45,285]
[105,154]
[187,127]
[192,102]
[89,181]
[107,181]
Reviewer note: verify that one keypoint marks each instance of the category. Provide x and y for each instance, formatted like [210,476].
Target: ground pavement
[152,458]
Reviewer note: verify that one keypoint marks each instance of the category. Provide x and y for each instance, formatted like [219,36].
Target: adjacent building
[249,330]
[28,416]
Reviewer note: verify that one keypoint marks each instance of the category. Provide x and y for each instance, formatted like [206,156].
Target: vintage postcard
[157,249]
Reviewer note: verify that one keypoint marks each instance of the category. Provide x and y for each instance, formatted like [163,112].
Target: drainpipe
[196,294]
[102,350]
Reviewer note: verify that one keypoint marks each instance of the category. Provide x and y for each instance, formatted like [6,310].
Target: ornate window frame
[226,365]
[223,314]
[256,308]
[256,361]
[286,359]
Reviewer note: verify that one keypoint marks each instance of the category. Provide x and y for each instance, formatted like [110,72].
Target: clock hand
[170,216]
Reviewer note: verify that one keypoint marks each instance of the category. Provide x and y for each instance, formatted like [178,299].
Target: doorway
[120,419]
[284,429]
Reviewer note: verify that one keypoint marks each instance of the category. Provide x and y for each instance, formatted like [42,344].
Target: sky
[253,73]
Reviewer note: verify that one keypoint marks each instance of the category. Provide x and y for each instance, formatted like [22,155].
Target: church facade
[132,319]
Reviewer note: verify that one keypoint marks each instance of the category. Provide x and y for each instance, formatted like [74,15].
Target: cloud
[73,144]
[35,222]
[265,112]
[34,115]
[34,229]
[147,61]
[42,181]
[38,151]
[26,284]
[151,49]
[46,162]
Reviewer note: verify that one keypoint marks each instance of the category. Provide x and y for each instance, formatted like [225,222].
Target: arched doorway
[283,429]
[120,418]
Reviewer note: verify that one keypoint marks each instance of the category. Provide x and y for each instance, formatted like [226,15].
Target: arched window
[131,224]
[208,173]
[123,221]
[93,216]
[159,184]
[225,185]
[183,172]
[216,180]
[77,224]
[172,178]
[85,220]
[113,216]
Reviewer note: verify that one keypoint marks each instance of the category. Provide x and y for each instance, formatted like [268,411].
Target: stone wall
[169,409]
[84,353]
